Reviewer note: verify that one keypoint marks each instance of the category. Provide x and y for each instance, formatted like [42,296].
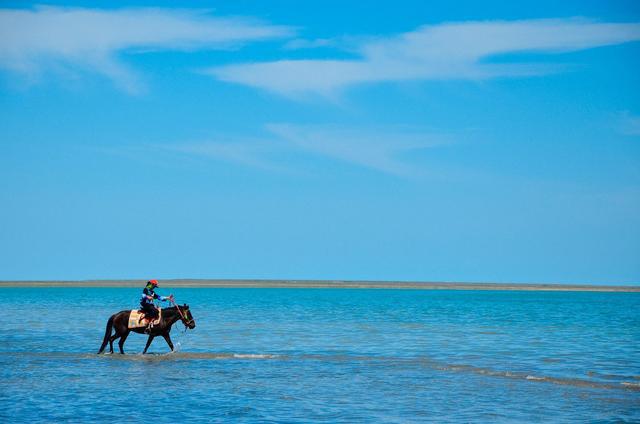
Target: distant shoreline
[322,284]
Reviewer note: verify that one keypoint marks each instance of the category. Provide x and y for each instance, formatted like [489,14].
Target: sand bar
[338,284]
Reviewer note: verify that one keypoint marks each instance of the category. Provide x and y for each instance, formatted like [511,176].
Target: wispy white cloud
[446,51]
[379,149]
[629,124]
[385,150]
[34,40]
[250,152]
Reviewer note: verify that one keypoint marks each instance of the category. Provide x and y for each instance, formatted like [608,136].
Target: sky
[413,141]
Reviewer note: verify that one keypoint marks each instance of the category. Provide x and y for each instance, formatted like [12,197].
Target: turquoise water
[315,355]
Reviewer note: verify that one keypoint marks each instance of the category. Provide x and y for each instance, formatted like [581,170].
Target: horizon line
[310,283]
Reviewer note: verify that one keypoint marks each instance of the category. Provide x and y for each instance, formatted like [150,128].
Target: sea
[325,355]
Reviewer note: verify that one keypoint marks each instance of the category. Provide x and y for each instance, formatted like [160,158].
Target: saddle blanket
[137,319]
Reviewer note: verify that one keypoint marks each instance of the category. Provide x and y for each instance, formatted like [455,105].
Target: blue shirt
[148,291]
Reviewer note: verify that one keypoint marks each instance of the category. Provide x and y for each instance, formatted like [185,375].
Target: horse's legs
[111,340]
[149,340]
[168,339]
[123,338]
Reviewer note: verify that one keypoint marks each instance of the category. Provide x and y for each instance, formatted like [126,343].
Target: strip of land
[322,284]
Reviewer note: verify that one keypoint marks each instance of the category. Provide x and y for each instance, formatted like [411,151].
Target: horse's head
[187,318]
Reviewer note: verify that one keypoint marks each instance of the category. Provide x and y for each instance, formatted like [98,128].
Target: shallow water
[289,355]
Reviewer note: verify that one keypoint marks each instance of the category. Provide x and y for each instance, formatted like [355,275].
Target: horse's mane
[174,308]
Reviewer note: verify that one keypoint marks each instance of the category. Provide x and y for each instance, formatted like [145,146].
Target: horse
[120,323]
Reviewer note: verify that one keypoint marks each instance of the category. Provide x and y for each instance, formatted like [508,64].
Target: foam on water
[253,356]
[175,356]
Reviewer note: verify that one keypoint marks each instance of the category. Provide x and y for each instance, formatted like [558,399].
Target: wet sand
[413,285]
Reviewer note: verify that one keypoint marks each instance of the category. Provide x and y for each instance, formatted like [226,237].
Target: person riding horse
[146,302]
[121,324]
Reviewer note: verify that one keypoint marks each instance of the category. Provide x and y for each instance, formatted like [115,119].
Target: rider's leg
[149,315]
[152,318]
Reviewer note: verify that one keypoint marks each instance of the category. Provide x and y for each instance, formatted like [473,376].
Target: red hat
[153,282]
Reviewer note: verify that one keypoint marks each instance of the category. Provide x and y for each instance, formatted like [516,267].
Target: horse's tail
[107,334]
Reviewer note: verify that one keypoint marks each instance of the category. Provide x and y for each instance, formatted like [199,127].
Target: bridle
[182,317]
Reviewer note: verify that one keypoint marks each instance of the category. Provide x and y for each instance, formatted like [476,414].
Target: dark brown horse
[120,324]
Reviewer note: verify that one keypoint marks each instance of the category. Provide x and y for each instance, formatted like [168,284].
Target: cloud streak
[446,51]
[378,149]
[34,40]
[382,150]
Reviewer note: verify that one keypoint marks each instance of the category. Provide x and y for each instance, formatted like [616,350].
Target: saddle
[137,319]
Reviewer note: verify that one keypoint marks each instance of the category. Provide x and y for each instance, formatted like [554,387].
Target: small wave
[631,385]
[174,356]
[616,377]
[441,366]
[253,356]
[137,356]
[575,382]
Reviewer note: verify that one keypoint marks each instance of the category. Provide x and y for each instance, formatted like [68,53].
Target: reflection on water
[326,355]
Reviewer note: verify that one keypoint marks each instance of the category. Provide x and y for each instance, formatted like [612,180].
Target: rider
[146,301]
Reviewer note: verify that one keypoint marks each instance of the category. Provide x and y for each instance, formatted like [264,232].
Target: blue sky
[435,141]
